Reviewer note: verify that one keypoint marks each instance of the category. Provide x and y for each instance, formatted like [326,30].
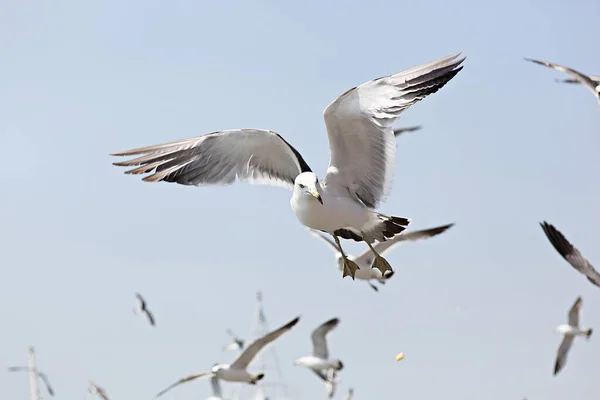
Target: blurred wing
[574,313]
[16,369]
[319,339]
[570,253]
[245,357]
[400,131]
[216,386]
[183,380]
[325,239]
[46,382]
[359,126]
[141,301]
[586,80]
[563,350]
[150,317]
[251,155]
[381,247]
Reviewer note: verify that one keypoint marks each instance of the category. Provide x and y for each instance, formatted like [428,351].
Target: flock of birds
[340,206]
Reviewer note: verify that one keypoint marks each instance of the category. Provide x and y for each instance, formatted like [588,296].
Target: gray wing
[150,317]
[325,239]
[46,382]
[563,351]
[245,357]
[183,380]
[252,155]
[319,338]
[359,127]
[329,381]
[16,369]
[367,256]
[216,387]
[584,79]
[570,253]
[400,131]
[574,313]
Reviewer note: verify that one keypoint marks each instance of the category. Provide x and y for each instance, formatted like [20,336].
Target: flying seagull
[593,83]
[349,394]
[569,331]
[238,343]
[38,374]
[143,309]
[319,362]
[236,371]
[98,391]
[570,253]
[363,149]
[364,261]
[400,131]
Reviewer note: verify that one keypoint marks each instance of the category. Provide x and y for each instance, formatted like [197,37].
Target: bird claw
[381,264]
[350,268]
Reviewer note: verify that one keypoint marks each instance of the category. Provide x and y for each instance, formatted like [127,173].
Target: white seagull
[143,309]
[569,331]
[359,176]
[236,371]
[591,82]
[365,260]
[570,253]
[38,374]
[238,343]
[98,391]
[319,362]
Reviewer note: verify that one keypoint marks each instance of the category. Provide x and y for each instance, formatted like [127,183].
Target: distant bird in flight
[570,253]
[400,131]
[569,331]
[238,343]
[319,361]
[365,260]
[38,374]
[98,391]
[360,173]
[143,309]
[236,371]
[591,82]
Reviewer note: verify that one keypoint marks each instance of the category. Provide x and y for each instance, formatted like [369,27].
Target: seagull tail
[588,333]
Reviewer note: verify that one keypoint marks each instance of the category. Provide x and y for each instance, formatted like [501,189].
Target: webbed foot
[381,264]
[350,268]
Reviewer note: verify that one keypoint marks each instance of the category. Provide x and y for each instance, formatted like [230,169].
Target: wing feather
[574,312]
[252,155]
[319,338]
[183,380]
[578,76]
[563,351]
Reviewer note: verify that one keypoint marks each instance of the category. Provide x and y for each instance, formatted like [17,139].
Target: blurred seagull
[238,344]
[236,371]
[365,260]
[591,82]
[363,149]
[570,253]
[98,391]
[319,362]
[143,309]
[569,331]
[38,374]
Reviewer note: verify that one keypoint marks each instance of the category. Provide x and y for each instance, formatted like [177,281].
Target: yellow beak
[316,195]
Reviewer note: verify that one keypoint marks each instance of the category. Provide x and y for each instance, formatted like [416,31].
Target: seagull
[238,344]
[400,131]
[364,261]
[350,394]
[216,388]
[38,374]
[569,331]
[359,176]
[236,371]
[142,309]
[319,362]
[592,82]
[97,390]
[570,253]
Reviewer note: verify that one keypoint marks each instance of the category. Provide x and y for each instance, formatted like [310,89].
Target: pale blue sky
[503,147]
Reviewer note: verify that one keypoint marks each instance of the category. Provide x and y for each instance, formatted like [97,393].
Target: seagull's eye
[301,186]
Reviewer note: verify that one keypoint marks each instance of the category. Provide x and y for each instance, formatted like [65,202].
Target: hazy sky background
[502,148]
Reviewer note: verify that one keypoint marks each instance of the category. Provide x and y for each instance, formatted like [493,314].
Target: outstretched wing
[586,80]
[563,351]
[366,258]
[252,155]
[570,253]
[325,239]
[400,131]
[359,126]
[319,338]
[246,356]
[183,380]
[150,317]
[44,378]
[574,313]
[16,369]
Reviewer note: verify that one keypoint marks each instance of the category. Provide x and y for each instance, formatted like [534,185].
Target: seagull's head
[217,367]
[307,184]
